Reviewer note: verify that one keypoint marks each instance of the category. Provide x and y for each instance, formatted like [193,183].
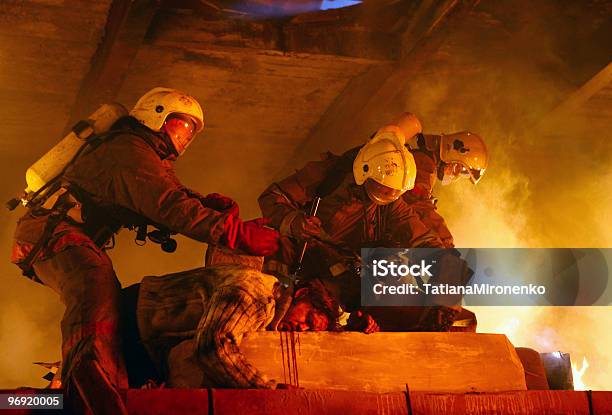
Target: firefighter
[360,206]
[124,179]
[360,200]
[447,158]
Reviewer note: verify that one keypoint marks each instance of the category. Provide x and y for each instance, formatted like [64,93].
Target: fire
[577,374]
[509,328]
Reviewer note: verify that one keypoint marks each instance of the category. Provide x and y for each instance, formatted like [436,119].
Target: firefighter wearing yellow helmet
[448,158]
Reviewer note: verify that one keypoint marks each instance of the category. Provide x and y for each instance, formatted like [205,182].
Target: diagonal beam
[126,26]
[371,98]
[579,97]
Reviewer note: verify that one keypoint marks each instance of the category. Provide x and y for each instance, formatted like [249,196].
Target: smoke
[579,331]
[546,185]
[491,214]
[29,322]
[498,73]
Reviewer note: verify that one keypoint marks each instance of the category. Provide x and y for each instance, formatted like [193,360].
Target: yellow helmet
[155,107]
[385,166]
[465,154]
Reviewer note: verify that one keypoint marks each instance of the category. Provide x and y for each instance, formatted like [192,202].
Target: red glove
[221,203]
[251,236]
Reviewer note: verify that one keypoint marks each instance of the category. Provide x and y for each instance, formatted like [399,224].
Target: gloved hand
[361,321]
[304,226]
[221,203]
[252,236]
[437,318]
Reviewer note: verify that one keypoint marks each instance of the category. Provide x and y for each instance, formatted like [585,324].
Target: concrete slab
[386,362]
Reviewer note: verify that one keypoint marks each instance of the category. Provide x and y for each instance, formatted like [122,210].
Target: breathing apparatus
[43,178]
[47,170]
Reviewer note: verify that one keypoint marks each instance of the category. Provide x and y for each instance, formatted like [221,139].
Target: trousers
[93,370]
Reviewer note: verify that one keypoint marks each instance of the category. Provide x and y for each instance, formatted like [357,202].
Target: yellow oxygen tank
[49,166]
[53,162]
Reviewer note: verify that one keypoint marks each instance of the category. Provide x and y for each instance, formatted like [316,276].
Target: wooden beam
[357,113]
[578,98]
[380,362]
[363,31]
[126,26]
[369,30]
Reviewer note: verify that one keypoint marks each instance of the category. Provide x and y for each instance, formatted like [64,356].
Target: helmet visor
[381,194]
[454,171]
[181,129]
[476,175]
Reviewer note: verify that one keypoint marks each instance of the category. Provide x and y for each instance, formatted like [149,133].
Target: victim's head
[313,309]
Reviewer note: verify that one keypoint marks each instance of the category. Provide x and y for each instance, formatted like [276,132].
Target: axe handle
[313,212]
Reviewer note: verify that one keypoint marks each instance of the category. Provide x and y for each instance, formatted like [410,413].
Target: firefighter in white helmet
[172,111]
[360,206]
[462,155]
[447,158]
[384,166]
[124,178]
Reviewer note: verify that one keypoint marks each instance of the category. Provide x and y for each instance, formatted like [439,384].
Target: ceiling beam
[126,26]
[365,31]
[578,98]
[372,99]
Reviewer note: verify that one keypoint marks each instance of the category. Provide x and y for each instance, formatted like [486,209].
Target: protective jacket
[420,198]
[125,180]
[349,218]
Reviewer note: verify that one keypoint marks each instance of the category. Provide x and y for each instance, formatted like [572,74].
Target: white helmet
[465,154]
[385,166]
[154,108]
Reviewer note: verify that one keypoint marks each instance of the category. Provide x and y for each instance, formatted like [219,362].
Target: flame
[577,374]
[508,327]
[518,333]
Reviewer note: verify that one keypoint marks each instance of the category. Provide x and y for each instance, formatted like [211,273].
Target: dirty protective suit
[421,199]
[348,218]
[123,181]
[351,221]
